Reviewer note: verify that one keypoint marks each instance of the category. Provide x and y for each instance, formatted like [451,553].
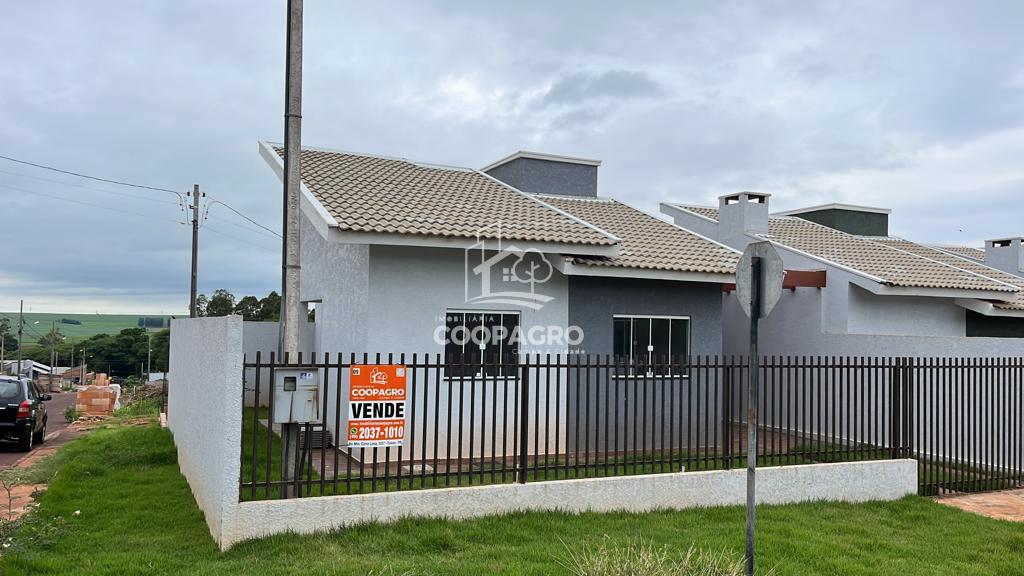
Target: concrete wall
[846,482]
[548,177]
[204,412]
[593,301]
[869,313]
[337,277]
[850,221]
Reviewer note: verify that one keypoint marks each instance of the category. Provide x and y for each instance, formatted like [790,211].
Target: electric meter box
[296,396]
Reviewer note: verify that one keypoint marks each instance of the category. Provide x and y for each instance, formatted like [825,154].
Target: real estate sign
[376,405]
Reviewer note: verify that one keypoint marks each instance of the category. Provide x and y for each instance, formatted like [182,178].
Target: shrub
[641,558]
[70,413]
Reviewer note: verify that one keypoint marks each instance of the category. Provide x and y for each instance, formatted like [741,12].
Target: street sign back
[772,271]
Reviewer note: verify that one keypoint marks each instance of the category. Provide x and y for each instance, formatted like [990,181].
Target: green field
[91,324]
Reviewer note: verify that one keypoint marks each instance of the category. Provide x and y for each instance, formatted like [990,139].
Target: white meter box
[296,396]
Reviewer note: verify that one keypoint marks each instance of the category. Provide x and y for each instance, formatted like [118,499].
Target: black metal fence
[472,421]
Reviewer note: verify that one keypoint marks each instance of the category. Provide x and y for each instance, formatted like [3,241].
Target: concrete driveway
[55,426]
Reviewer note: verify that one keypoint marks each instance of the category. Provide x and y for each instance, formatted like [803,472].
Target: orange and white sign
[376,405]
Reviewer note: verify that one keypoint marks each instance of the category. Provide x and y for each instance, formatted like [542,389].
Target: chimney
[1006,255]
[539,173]
[740,214]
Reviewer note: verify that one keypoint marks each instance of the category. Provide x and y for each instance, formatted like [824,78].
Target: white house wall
[904,315]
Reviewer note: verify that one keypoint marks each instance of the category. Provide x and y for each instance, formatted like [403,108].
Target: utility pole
[291,314]
[149,357]
[193,311]
[53,351]
[21,331]
[81,376]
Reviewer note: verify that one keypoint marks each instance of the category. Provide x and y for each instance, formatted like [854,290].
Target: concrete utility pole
[53,351]
[149,357]
[21,331]
[193,311]
[291,307]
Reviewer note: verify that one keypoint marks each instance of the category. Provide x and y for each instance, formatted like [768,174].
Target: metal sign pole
[753,381]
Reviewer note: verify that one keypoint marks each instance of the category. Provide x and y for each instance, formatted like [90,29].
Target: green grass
[91,324]
[625,465]
[137,516]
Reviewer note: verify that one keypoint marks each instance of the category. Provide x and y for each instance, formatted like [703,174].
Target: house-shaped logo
[500,273]
[379,377]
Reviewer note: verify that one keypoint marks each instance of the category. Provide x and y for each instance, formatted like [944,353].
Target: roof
[541,156]
[886,264]
[366,193]
[647,242]
[889,265]
[965,251]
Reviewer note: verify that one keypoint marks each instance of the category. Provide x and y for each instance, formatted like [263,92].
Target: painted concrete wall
[206,364]
[845,482]
[903,315]
[593,301]
[337,276]
[548,177]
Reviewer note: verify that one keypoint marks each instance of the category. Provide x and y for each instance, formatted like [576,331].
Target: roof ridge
[1016,288]
[373,155]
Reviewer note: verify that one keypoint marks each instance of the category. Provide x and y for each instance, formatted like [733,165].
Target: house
[27,368]
[880,295]
[397,256]
[519,258]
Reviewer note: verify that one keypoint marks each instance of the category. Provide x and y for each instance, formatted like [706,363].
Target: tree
[222,303]
[51,338]
[10,340]
[270,307]
[248,308]
[160,342]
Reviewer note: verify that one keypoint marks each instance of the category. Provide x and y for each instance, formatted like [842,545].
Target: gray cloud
[904,104]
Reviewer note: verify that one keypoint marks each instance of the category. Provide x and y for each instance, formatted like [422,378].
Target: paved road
[9,453]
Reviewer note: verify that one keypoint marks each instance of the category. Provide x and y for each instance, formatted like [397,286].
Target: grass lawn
[137,516]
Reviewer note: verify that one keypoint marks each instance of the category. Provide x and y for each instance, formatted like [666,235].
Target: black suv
[22,412]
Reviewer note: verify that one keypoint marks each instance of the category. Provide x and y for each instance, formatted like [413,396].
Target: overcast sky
[916,106]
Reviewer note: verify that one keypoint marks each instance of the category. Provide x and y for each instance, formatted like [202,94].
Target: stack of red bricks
[95,401]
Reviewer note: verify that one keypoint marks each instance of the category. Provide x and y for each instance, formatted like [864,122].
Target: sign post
[758,288]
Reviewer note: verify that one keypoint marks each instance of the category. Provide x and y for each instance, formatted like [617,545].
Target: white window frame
[689,335]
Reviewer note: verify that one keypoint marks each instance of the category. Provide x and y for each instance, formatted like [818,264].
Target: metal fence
[473,421]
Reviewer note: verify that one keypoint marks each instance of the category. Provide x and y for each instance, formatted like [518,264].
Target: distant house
[27,368]
[881,295]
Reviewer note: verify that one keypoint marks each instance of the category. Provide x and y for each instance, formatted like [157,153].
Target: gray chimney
[1006,255]
[740,214]
[539,173]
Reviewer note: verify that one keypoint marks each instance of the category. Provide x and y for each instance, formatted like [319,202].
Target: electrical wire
[97,178]
[62,183]
[212,203]
[84,203]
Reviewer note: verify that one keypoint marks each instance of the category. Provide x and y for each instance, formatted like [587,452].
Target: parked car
[22,412]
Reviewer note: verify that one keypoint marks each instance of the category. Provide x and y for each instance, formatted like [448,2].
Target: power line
[214,202]
[84,203]
[97,178]
[62,183]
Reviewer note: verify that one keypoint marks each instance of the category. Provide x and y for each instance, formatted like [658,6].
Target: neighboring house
[881,295]
[27,368]
[396,253]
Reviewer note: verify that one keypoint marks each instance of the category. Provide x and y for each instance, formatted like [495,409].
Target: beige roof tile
[965,251]
[647,242]
[395,196]
[892,266]
[896,261]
